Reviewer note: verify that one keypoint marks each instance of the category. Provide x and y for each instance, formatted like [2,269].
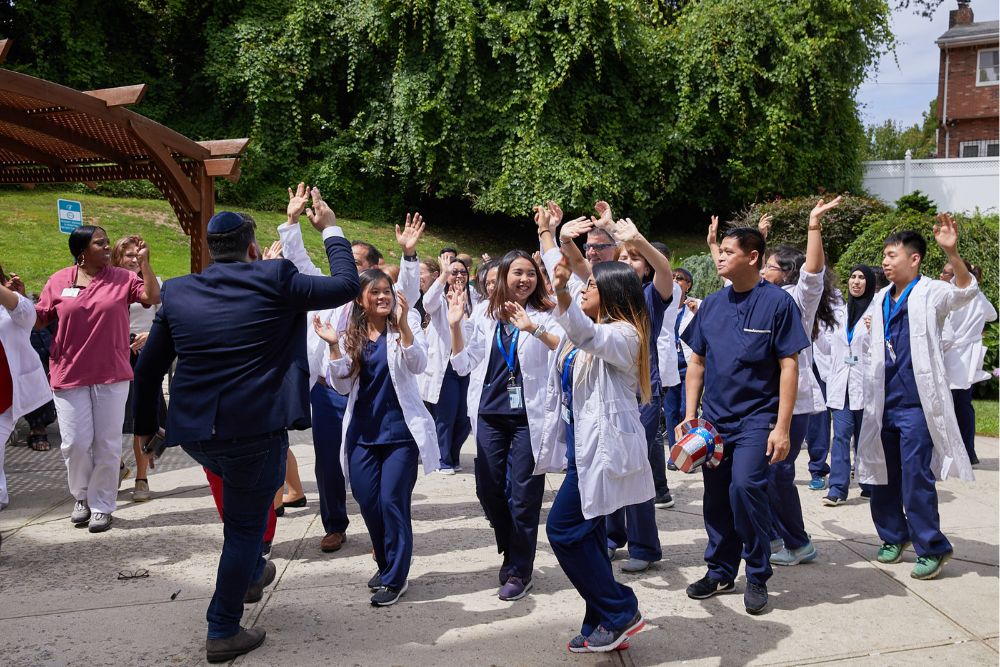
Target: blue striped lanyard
[510,356]
[887,314]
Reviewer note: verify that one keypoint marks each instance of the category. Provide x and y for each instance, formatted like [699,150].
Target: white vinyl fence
[955,184]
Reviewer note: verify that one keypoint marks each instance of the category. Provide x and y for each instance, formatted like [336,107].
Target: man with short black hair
[366,256]
[909,434]
[237,331]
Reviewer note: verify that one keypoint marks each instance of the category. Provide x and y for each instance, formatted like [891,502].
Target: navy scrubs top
[900,383]
[741,336]
[377,419]
[656,306]
[494,400]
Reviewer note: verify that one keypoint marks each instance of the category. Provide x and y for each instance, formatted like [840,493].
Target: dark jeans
[251,469]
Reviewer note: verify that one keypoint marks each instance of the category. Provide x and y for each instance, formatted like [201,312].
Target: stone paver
[61,601]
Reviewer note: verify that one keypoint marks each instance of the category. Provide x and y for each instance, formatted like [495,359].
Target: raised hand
[142,249]
[603,210]
[946,233]
[713,232]
[543,219]
[320,215]
[555,213]
[561,274]
[518,316]
[624,231]
[325,331]
[15,284]
[484,257]
[575,228]
[456,306]
[412,230]
[297,203]
[820,209]
[764,224]
[402,305]
[274,251]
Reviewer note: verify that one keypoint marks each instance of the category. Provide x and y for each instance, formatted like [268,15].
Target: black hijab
[856,307]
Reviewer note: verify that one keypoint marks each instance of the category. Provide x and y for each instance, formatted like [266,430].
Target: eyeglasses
[680,277]
[133,574]
[459,272]
[597,246]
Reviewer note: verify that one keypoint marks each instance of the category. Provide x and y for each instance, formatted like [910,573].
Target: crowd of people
[585,356]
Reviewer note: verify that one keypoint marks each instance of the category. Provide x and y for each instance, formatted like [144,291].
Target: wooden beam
[224,147]
[222,166]
[169,138]
[5,45]
[40,124]
[160,155]
[120,96]
[74,174]
[31,153]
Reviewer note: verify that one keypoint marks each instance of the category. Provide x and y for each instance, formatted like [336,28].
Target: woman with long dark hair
[602,364]
[506,408]
[805,278]
[845,394]
[443,390]
[386,426]
[89,366]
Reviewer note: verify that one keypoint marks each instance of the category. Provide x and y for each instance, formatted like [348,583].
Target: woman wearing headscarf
[845,394]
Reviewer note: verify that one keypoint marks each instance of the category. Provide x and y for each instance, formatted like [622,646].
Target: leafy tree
[890,140]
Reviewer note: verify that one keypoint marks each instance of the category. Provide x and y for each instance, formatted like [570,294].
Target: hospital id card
[851,360]
[515,396]
[71,292]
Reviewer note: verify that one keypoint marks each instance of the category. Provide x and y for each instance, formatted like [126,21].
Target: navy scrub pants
[451,417]
[509,490]
[966,416]
[636,524]
[382,480]
[906,509]
[786,510]
[578,544]
[818,436]
[328,417]
[737,516]
[846,426]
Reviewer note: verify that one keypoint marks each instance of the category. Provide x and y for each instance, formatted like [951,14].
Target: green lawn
[33,247]
[987,417]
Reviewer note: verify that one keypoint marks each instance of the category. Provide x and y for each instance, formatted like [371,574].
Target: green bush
[704,276]
[918,202]
[791,221]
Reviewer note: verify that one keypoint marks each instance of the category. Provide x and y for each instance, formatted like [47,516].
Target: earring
[82,260]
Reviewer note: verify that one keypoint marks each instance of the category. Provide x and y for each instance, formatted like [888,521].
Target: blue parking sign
[70,215]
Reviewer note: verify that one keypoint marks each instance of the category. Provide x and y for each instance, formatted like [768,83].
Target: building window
[988,72]
[982,148]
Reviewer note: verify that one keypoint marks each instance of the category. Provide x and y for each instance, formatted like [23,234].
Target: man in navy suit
[237,331]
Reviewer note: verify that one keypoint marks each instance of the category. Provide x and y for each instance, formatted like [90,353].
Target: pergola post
[199,238]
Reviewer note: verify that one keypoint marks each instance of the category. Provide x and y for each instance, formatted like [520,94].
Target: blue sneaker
[514,589]
[786,556]
[817,483]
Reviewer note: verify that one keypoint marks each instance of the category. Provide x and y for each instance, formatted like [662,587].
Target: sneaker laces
[926,560]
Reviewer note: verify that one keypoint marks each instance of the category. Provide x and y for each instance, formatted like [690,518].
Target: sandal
[39,442]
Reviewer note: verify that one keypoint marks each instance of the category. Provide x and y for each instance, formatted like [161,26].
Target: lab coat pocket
[623,439]
[756,346]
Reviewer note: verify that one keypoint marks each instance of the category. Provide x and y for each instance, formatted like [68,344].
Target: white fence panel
[956,184]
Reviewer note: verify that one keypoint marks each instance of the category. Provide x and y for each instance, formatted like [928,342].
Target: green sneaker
[891,553]
[928,567]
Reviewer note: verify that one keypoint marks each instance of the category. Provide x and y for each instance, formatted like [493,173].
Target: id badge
[515,396]
[851,360]
[892,352]
[567,414]
[71,292]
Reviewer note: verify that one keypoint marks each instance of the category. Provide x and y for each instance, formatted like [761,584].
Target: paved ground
[61,601]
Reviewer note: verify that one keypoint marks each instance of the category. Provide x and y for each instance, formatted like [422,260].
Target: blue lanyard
[887,315]
[511,356]
[850,333]
[567,382]
[677,324]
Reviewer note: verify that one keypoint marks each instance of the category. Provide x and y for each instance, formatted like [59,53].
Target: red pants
[215,483]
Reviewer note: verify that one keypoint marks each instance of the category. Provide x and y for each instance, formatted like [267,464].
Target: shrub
[791,221]
[918,202]
[704,276]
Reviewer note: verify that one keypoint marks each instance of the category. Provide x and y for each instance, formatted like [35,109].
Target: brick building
[969,86]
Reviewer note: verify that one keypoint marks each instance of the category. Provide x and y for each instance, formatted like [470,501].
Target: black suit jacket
[238,332]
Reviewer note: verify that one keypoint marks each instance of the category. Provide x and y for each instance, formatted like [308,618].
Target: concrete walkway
[61,602]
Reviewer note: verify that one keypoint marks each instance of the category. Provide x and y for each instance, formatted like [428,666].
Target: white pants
[90,424]
[6,428]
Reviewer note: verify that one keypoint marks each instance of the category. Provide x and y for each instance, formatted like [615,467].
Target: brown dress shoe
[333,542]
[244,641]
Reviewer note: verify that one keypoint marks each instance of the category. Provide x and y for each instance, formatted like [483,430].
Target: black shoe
[267,549]
[865,493]
[301,502]
[256,590]
[279,510]
[671,466]
[755,598]
[706,587]
[244,641]
[663,502]
[974,460]
[375,582]
[387,595]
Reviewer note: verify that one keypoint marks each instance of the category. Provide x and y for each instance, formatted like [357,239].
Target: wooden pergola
[53,134]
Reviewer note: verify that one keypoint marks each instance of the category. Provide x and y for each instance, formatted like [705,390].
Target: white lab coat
[31,387]
[807,293]
[405,365]
[685,321]
[666,345]
[928,305]
[533,359]
[844,378]
[962,337]
[438,335]
[610,448]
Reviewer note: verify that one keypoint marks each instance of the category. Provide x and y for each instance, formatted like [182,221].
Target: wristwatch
[410,258]
[539,331]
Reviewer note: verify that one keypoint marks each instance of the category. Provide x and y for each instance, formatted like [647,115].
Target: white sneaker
[446,471]
[100,522]
[81,512]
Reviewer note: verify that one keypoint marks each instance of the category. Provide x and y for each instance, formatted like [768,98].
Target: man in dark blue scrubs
[745,340]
